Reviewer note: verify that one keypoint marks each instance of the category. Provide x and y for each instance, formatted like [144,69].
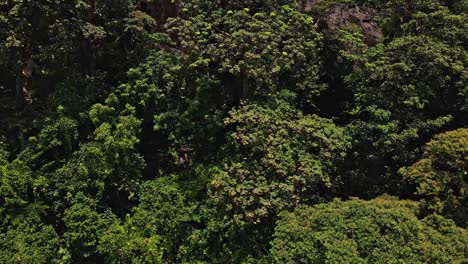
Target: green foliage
[83,227]
[265,52]
[163,210]
[15,182]
[27,239]
[275,159]
[110,162]
[176,131]
[120,244]
[140,34]
[383,230]
[58,137]
[156,227]
[416,78]
[403,91]
[451,28]
[231,5]
[440,175]
[18,188]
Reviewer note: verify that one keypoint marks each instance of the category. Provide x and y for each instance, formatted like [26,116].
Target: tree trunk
[245,85]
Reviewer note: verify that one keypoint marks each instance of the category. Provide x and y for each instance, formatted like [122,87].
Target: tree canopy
[252,131]
[382,230]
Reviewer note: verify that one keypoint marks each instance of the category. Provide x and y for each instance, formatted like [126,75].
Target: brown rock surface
[341,17]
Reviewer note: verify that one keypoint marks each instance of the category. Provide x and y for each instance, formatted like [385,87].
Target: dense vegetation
[222,131]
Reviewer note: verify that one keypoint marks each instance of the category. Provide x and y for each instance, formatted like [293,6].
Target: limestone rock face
[341,16]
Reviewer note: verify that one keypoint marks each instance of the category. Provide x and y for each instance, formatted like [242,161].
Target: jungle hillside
[233,131]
